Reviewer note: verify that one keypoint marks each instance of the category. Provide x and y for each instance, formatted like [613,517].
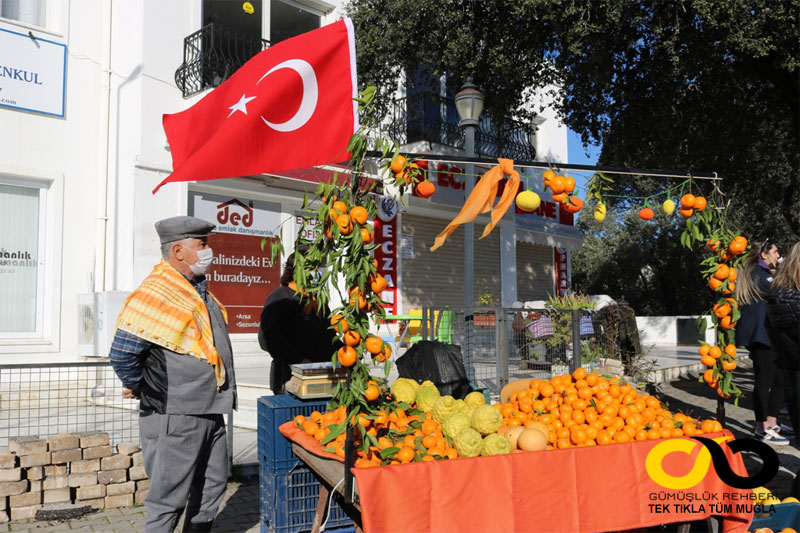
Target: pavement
[674,381]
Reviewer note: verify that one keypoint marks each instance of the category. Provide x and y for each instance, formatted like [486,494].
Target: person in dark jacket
[752,286]
[293,330]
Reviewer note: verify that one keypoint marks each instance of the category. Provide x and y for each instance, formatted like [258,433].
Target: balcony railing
[433,118]
[211,55]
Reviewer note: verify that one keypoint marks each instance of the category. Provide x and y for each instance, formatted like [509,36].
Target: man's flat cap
[182,227]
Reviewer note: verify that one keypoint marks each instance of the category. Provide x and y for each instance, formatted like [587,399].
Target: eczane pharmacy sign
[32,73]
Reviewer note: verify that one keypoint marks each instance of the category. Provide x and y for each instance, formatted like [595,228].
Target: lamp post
[469,104]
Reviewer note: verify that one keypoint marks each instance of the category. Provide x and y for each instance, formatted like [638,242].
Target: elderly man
[172,351]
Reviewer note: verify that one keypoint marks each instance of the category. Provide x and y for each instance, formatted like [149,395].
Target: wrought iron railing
[211,55]
[429,117]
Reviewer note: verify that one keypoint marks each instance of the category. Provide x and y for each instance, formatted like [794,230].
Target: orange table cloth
[591,489]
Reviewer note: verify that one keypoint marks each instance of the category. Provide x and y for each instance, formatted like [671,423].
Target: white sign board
[236,215]
[32,73]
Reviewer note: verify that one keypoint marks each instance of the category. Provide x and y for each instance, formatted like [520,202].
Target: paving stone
[138,459]
[26,499]
[55,470]
[55,482]
[139,496]
[137,473]
[115,462]
[83,479]
[3,519]
[66,456]
[8,459]
[115,489]
[57,495]
[26,445]
[90,492]
[35,485]
[11,488]
[21,513]
[63,441]
[95,503]
[10,474]
[62,511]
[144,484]
[91,439]
[81,467]
[112,476]
[34,472]
[127,448]
[34,459]
[121,500]
[97,451]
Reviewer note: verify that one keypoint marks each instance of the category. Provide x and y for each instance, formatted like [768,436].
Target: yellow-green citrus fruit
[528,201]
[600,212]
[669,207]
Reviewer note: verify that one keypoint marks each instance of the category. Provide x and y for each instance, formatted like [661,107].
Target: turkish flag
[290,106]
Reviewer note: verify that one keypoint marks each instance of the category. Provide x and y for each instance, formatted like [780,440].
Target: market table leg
[319,514]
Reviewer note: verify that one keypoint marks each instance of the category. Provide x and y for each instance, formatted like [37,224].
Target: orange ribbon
[482,198]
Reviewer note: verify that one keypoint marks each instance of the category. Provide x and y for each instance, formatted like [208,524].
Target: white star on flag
[241,105]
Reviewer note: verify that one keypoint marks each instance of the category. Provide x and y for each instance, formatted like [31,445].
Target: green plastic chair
[444,327]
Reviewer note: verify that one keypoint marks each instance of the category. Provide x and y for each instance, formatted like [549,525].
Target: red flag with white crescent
[290,106]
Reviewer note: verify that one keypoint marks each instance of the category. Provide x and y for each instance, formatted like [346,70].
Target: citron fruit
[668,206]
[528,201]
[600,212]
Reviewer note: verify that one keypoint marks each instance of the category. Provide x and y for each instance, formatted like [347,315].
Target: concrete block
[121,500]
[34,459]
[66,456]
[26,445]
[55,470]
[34,472]
[112,476]
[81,480]
[97,503]
[57,495]
[137,472]
[92,439]
[10,474]
[55,482]
[90,492]
[143,484]
[115,489]
[139,496]
[4,517]
[12,488]
[127,448]
[63,441]
[35,486]
[115,462]
[138,459]
[21,513]
[26,499]
[8,460]
[81,467]
[97,451]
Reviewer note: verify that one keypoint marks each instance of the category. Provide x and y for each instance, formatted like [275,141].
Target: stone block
[10,474]
[138,459]
[90,492]
[34,472]
[21,513]
[81,480]
[97,503]
[97,451]
[12,488]
[115,462]
[55,482]
[139,496]
[92,439]
[34,459]
[55,470]
[66,456]
[3,517]
[57,495]
[35,486]
[26,445]
[26,499]
[81,467]
[121,500]
[143,484]
[127,448]
[112,476]
[115,489]
[8,460]
[137,472]
[63,441]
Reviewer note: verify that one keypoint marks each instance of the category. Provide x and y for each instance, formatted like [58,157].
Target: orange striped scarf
[168,311]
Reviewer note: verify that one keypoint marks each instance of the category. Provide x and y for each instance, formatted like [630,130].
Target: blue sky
[576,152]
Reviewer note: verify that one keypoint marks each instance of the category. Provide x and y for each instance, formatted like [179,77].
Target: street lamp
[469,104]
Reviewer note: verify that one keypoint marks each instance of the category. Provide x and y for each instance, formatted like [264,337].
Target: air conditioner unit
[97,317]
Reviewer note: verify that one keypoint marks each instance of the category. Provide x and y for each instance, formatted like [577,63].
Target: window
[22,209]
[32,12]
[288,19]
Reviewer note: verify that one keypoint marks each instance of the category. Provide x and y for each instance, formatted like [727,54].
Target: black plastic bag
[438,362]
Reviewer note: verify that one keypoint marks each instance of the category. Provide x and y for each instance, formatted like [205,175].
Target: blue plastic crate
[785,515]
[288,503]
[275,450]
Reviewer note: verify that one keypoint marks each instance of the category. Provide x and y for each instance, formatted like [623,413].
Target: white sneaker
[770,437]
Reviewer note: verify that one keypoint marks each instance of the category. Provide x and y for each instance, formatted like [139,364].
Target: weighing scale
[314,380]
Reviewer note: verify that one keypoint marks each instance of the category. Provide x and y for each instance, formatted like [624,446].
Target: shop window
[21,259]
[288,19]
[31,12]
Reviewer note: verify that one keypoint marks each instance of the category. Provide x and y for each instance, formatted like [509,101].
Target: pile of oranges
[586,409]
[691,204]
[562,189]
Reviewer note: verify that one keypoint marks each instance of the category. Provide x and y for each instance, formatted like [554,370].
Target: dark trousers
[770,382]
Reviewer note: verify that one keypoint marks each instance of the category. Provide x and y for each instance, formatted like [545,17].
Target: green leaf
[388,452]
[336,430]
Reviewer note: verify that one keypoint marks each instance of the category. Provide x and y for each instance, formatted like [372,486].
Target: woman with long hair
[753,284]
